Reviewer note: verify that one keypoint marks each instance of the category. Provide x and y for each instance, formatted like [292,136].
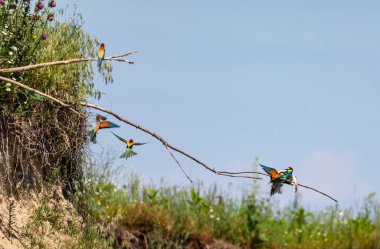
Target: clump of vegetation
[145,216]
[43,141]
[30,34]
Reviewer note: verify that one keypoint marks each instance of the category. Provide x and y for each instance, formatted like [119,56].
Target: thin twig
[239,176]
[64,62]
[180,166]
[287,181]
[242,172]
[121,60]
[38,92]
[316,190]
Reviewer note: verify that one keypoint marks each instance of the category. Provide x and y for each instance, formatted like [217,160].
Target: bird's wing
[128,153]
[276,187]
[271,171]
[108,124]
[100,118]
[139,143]
[92,135]
[267,169]
[120,138]
[93,132]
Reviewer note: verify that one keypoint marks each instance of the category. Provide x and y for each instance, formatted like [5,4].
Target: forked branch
[162,140]
[65,62]
[159,138]
[260,173]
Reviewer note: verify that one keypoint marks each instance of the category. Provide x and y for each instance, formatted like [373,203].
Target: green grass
[174,217]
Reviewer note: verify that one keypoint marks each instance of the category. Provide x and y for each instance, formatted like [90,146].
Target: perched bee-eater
[101,123]
[290,178]
[279,178]
[101,54]
[128,151]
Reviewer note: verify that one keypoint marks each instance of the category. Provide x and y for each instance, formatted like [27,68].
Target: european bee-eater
[275,179]
[290,178]
[101,123]
[101,54]
[128,151]
[279,178]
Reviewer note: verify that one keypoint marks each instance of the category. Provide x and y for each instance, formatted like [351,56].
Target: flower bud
[52,4]
[40,5]
[50,17]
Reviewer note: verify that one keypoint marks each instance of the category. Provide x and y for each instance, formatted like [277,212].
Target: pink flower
[2,2]
[44,36]
[40,5]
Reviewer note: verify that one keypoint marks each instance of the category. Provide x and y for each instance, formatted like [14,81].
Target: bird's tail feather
[128,153]
[112,125]
[92,135]
[100,60]
[266,168]
[276,187]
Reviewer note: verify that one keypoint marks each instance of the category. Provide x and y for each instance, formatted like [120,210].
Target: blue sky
[295,83]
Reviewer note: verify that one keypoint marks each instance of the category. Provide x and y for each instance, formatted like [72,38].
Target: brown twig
[242,172]
[260,173]
[38,92]
[65,62]
[239,176]
[180,166]
[316,190]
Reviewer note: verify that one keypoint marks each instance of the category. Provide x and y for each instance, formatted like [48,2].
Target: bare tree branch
[159,138]
[163,141]
[65,62]
[260,173]
[239,176]
[242,172]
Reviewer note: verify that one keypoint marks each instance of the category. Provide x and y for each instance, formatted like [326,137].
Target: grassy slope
[172,217]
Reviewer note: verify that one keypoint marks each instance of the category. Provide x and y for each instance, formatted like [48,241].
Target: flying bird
[101,123]
[101,54]
[279,178]
[130,143]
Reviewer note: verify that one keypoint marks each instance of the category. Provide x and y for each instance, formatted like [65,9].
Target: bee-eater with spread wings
[128,151]
[101,54]
[279,178]
[101,123]
[275,179]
